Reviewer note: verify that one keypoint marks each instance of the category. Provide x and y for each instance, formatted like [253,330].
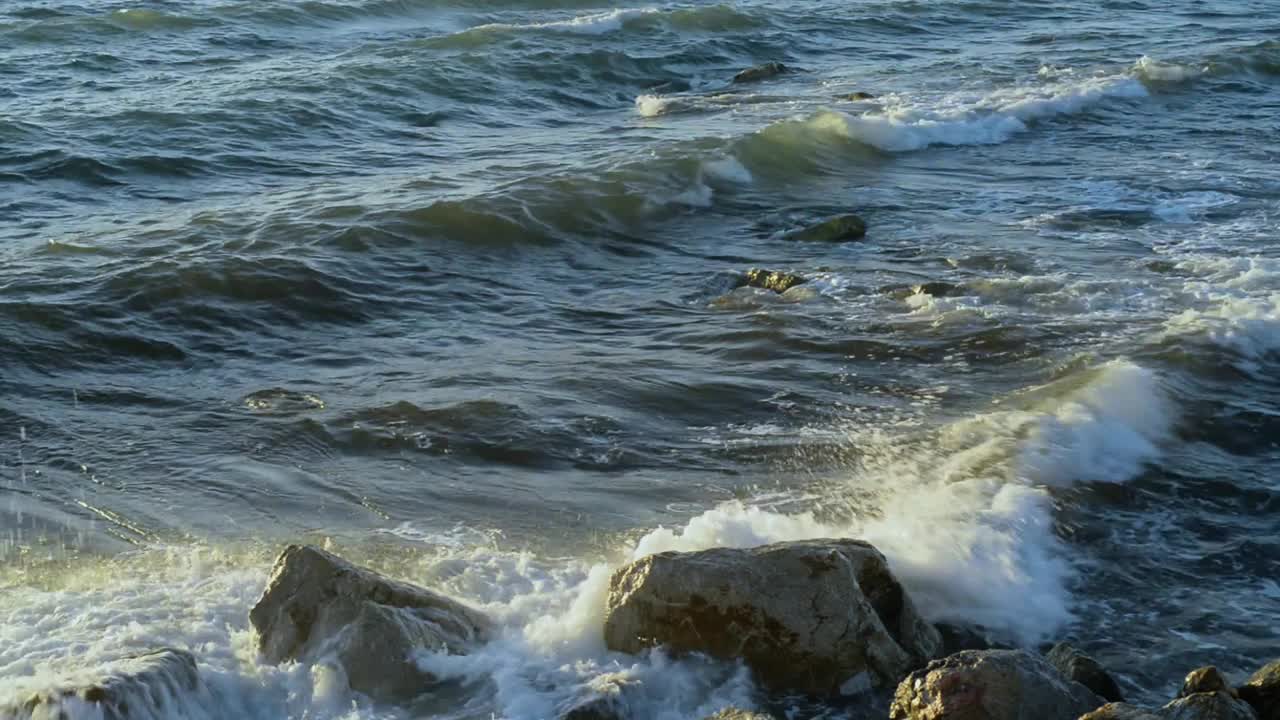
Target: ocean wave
[963,511]
[711,18]
[976,118]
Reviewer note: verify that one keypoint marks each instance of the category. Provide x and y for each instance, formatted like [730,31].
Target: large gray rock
[991,685]
[318,606]
[820,616]
[1262,691]
[1075,665]
[1207,706]
[140,686]
[841,228]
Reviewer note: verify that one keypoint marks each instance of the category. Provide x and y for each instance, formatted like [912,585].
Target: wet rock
[1262,691]
[139,686]
[738,714]
[761,72]
[965,637]
[856,96]
[1120,711]
[834,619]
[1207,706]
[1075,665]
[841,228]
[776,281]
[1204,680]
[318,606]
[991,685]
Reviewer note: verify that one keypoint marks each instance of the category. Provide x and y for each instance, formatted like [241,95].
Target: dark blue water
[451,287]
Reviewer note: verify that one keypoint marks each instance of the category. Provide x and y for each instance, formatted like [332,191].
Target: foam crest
[592,24]
[964,512]
[1234,303]
[981,119]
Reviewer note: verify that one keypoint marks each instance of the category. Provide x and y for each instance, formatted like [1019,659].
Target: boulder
[1120,711]
[318,606]
[856,96]
[1204,680]
[761,72]
[841,228]
[778,282]
[833,619]
[739,714]
[1207,706]
[1075,665]
[138,686]
[1262,691]
[991,685]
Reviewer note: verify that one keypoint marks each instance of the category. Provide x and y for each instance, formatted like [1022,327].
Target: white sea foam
[1233,302]
[964,513]
[1153,70]
[989,118]
[654,105]
[592,24]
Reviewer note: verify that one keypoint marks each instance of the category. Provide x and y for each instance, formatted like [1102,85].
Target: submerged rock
[856,96]
[776,281]
[1262,691]
[991,685]
[139,686]
[1075,665]
[761,72]
[833,619]
[841,228]
[317,605]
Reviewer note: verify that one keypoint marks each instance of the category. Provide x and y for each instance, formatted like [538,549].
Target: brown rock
[991,685]
[1120,711]
[1075,665]
[833,618]
[1207,706]
[1204,680]
[1262,691]
[316,603]
[739,714]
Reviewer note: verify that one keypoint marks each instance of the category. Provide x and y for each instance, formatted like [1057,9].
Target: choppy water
[447,284]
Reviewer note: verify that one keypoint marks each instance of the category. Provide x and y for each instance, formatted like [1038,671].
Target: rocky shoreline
[824,619]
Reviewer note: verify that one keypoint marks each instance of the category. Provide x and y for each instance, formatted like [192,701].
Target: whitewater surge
[964,512]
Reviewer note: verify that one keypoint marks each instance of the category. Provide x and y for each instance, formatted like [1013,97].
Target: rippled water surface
[450,286]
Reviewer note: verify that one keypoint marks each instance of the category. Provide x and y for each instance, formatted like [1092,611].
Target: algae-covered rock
[761,72]
[774,280]
[841,228]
